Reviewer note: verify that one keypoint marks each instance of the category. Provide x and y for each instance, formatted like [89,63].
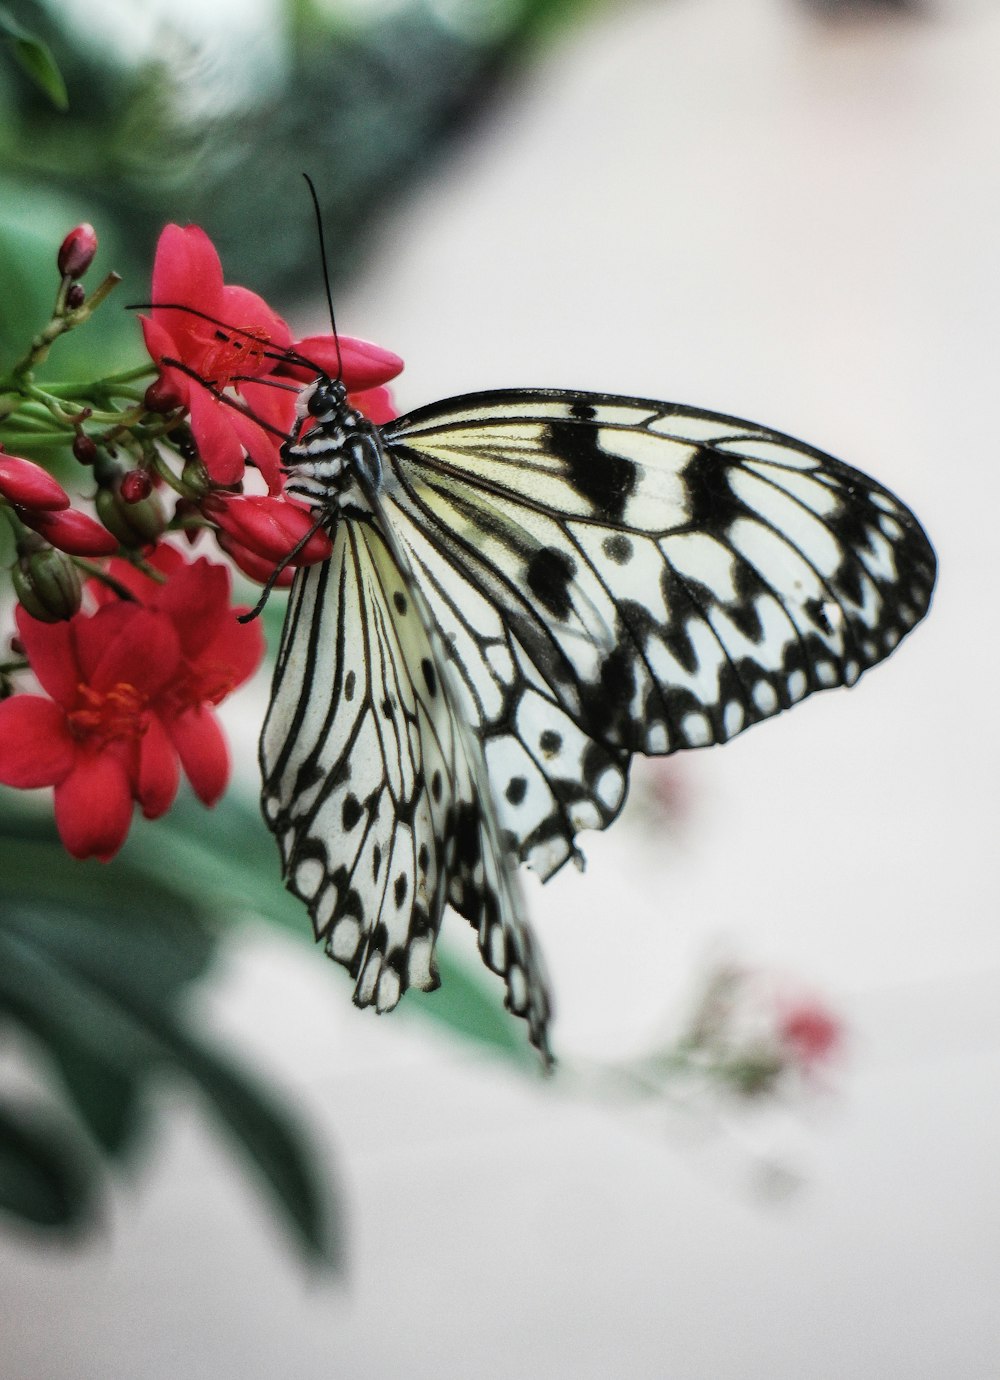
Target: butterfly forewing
[674,575]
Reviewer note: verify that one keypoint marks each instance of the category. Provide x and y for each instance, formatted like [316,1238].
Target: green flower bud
[134,524]
[195,479]
[48,584]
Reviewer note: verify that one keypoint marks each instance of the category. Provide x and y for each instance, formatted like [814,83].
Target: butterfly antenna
[326,271]
[286,356]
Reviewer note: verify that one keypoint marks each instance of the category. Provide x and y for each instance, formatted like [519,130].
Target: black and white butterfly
[526,587]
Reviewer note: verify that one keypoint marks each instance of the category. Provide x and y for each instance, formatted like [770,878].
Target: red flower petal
[51,650]
[127,644]
[216,437]
[159,773]
[363,365]
[94,806]
[186,270]
[196,599]
[25,483]
[36,746]
[376,404]
[237,647]
[262,447]
[203,750]
[160,344]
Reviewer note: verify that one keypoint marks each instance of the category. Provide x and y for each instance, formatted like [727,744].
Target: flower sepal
[48,584]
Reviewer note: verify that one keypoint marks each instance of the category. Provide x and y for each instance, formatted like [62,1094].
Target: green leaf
[109,1101]
[109,1025]
[36,59]
[274,1145]
[46,1175]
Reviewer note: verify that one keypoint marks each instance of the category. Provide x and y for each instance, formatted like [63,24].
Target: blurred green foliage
[364,105]
[97,963]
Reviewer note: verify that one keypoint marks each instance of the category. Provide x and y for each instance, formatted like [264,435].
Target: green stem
[59,325]
[95,571]
[143,565]
[34,440]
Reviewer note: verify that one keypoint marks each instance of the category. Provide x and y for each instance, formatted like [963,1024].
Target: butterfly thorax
[334,458]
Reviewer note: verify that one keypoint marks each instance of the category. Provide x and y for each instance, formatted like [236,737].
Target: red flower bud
[72,531]
[29,486]
[135,486]
[84,449]
[161,396]
[75,296]
[76,253]
[256,567]
[48,585]
[270,527]
[810,1032]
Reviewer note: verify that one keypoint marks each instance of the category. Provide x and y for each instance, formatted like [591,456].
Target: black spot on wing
[604,479]
[713,505]
[618,548]
[550,742]
[351,812]
[549,574]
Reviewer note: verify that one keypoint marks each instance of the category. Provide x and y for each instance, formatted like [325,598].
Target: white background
[727,203]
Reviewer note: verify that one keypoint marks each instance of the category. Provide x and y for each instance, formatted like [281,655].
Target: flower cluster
[752,1033]
[129,636]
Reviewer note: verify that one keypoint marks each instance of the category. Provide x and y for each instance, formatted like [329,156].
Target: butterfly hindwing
[548,778]
[373,789]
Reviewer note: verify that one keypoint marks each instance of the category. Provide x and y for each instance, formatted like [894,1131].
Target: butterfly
[526,588]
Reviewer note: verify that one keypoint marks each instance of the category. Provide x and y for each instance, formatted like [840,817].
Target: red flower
[187,273]
[810,1033]
[251,352]
[131,690]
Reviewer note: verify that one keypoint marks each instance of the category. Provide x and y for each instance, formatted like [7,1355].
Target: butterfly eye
[319,401]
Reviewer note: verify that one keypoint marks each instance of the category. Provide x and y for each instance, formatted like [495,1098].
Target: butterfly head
[324,400]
